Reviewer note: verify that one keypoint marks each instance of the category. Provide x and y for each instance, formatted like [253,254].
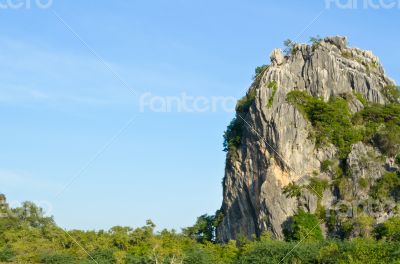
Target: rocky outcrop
[276,148]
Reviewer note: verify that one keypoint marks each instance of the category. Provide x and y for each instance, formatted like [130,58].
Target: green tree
[387,186]
[392,93]
[390,229]
[233,135]
[259,70]
[6,254]
[303,226]
[203,230]
[289,47]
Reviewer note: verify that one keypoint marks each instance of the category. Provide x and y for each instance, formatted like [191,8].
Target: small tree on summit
[289,47]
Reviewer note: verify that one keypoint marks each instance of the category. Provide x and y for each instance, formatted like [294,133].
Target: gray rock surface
[276,148]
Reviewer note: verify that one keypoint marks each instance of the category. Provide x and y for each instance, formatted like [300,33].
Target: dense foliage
[233,135]
[303,226]
[243,105]
[259,70]
[26,236]
[387,186]
[333,122]
[382,126]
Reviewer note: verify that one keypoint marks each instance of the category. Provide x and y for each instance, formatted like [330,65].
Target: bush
[133,259]
[318,187]
[292,190]
[197,256]
[326,165]
[387,186]
[387,139]
[361,98]
[233,135]
[243,105]
[333,122]
[274,86]
[58,258]
[363,183]
[392,93]
[389,229]
[329,253]
[102,256]
[6,254]
[347,55]
[376,114]
[203,230]
[382,126]
[259,70]
[397,160]
[315,42]
[303,226]
[330,120]
[363,225]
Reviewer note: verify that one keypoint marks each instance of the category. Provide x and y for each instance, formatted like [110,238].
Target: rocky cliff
[281,157]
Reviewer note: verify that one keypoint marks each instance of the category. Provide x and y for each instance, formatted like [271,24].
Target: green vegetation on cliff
[233,135]
[333,123]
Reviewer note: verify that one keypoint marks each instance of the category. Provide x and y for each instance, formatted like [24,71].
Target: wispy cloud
[31,74]
[39,95]
[20,180]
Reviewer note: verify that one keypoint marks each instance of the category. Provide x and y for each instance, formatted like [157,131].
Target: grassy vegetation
[274,86]
[382,126]
[389,230]
[347,55]
[387,187]
[392,93]
[326,165]
[363,183]
[361,98]
[318,186]
[292,190]
[331,120]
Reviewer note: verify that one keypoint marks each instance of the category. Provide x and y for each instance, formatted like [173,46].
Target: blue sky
[63,112]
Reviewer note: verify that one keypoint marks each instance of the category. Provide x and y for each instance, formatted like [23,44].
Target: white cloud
[20,180]
[39,95]
[36,75]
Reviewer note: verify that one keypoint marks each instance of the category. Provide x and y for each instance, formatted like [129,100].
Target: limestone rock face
[276,148]
[277,57]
